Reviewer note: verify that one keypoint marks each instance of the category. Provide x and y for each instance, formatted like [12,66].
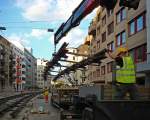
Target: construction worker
[125,74]
[46,95]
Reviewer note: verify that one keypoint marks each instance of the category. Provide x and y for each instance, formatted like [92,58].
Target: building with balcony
[5,51]
[121,27]
[18,63]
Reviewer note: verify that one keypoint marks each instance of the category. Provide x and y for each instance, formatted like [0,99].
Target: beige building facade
[118,27]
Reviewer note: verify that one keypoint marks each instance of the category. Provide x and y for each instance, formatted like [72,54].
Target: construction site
[104,78]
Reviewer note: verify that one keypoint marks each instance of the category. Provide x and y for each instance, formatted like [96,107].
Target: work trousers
[121,90]
[46,98]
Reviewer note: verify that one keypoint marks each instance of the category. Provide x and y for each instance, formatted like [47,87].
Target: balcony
[2,71]
[18,67]
[18,60]
[23,66]
[11,57]
[11,65]
[2,62]
[92,28]
[1,57]
[2,52]
[13,70]
[18,73]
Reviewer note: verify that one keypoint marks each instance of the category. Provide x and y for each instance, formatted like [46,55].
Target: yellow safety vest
[126,74]
[46,93]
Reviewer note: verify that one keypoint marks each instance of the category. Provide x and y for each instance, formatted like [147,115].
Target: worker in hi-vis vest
[46,95]
[125,74]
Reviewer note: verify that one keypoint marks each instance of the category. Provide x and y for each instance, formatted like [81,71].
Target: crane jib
[85,8]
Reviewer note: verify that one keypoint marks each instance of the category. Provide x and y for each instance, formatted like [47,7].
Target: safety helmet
[121,50]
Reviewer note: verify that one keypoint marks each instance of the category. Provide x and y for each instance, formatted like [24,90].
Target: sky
[27,21]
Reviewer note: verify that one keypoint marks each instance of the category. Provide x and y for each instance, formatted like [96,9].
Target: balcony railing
[2,52]
[18,67]
[11,57]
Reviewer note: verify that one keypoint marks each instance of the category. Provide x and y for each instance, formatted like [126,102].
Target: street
[36,109]
[51,112]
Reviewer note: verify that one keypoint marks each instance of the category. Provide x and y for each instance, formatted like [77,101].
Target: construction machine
[95,102]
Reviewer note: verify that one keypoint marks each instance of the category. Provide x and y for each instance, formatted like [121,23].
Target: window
[98,17]
[137,24]
[98,30]
[110,28]
[121,15]
[103,70]
[73,57]
[98,44]
[104,20]
[111,46]
[121,38]
[110,12]
[140,54]
[98,72]
[109,67]
[132,28]
[104,37]
[103,8]
[74,51]
[94,49]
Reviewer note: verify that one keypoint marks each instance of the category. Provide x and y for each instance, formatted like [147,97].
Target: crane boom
[85,8]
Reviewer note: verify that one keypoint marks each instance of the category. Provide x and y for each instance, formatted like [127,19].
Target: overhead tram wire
[35,21]
[28,27]
[8,22]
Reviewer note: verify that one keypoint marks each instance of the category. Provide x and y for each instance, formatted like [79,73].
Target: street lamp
[2,28]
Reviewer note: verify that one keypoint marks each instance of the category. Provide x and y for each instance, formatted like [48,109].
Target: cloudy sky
[27,21]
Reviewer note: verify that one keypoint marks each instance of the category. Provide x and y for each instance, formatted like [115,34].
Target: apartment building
[41,63]
[5,52]
[120,27]
[19,69]
[31,69]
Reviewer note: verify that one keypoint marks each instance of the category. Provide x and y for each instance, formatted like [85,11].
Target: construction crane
[85,8]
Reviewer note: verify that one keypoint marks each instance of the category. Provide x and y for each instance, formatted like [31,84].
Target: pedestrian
[125,74]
